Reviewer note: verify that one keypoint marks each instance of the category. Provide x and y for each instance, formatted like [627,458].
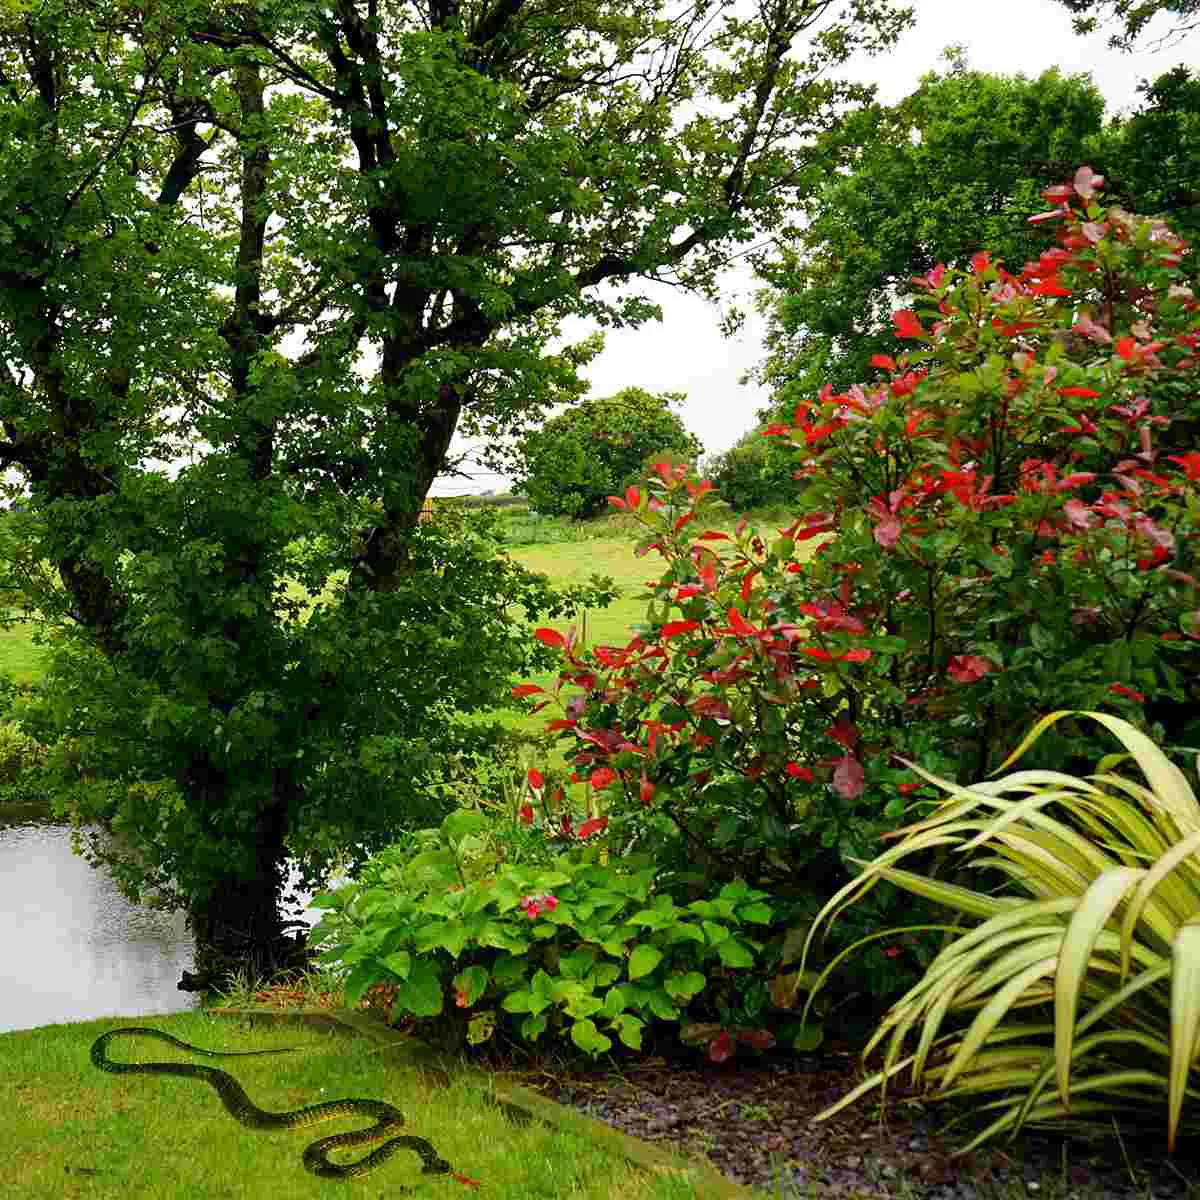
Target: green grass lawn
[73,1130]
[569,553]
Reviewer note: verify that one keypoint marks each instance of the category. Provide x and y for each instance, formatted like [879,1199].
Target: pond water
[72,948]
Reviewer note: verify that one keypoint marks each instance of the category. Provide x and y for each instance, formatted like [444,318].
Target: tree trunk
[238,927]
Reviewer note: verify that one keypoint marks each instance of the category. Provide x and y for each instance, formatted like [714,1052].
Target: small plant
[577,947]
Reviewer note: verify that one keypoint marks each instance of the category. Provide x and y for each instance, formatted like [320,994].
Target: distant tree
[1154,154]
[576,460]
[754,472]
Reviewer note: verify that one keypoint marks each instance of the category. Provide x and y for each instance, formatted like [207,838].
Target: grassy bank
[73,1130]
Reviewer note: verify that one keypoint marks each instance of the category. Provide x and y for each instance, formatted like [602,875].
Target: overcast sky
[685,351]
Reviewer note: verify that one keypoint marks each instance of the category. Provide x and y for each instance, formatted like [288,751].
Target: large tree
[954,166]
[299,244]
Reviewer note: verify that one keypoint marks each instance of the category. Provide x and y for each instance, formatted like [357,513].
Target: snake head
[436,1166]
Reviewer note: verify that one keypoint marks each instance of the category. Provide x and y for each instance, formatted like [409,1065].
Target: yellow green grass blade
[1088,920]
[1185,1019]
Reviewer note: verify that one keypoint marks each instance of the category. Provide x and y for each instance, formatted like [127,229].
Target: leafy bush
[572,946]
[998,526]
[1081,996]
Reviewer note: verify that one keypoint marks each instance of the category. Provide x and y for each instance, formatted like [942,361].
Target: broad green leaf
[421,993]
[643,960]
[589,1039]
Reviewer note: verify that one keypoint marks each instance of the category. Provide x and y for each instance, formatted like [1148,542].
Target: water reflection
[72,948]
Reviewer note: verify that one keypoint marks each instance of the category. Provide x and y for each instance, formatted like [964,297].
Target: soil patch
[754,1124]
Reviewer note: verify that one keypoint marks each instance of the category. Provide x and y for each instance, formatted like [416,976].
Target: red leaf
[720,1049]
[646,791]
[525,812]
[739,625]
[1121,690]
[595,825]
[907,324]
[1086,392]
[602,777]
[526,689]
[883,360]
[968,668]
[559,723]
[815,652]
[551,637]
[714,535]
[849,779]
[673,628]
[536,779]
[748,583]
[682,521]
[856,656]
[798,772]
[844,731]
[632,496]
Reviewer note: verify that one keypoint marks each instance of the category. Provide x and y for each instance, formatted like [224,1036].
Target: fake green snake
[240,1106]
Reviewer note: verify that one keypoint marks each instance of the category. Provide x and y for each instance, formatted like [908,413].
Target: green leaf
[533,1027]
[421,993]
[518,1002]
[684,987]
[472,982]
[589,1039]
[756,913]
[715,933]
[735,954]
[643,960]
[398,963]
[629,1030]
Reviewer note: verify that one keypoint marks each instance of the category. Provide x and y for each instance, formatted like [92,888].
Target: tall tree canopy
[955,166]
[1130,17]
[571,464]
[304,242]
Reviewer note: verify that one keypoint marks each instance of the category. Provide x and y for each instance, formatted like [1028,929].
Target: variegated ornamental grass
[1078,1000]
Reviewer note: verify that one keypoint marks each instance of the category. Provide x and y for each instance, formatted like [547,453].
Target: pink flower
[542,902]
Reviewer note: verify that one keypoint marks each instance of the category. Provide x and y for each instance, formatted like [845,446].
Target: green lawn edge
[709,1182]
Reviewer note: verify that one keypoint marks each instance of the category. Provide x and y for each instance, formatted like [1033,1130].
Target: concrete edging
[649,1157]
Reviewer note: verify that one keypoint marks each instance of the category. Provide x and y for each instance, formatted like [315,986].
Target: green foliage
[576,460]
[754,473]
[195,264]
[572,946]
[1072,995]
[953,167]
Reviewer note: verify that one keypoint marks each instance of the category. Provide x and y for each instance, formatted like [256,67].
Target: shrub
[999,524]
[1080,996]
[573,946]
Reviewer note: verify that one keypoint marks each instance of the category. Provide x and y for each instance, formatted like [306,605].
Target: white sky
[686,352]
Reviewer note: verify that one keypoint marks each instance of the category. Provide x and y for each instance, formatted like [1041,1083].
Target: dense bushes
[1006,525]
[1003,523]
